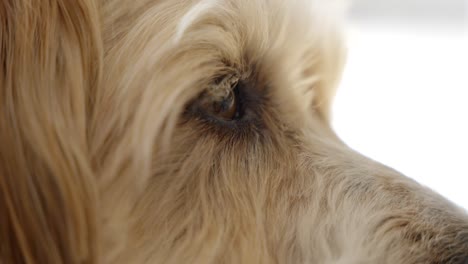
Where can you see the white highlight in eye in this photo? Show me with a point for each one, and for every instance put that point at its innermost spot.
(191, 16)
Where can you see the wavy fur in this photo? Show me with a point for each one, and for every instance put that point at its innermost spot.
(101, 162)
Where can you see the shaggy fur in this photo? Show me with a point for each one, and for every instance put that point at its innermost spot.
(102, 159)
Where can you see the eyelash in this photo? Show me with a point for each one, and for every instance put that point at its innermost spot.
(252, 104)
(252, 100)
(221, 100)
(238, 104)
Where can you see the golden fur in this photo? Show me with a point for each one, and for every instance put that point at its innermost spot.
(100, 161)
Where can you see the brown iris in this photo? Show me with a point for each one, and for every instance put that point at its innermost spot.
(223, 106)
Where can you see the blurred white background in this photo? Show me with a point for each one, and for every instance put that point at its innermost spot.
(404, 96)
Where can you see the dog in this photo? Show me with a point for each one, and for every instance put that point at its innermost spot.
(194, 131)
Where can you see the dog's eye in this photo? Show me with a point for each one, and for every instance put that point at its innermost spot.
(222, 105)
(220, 101)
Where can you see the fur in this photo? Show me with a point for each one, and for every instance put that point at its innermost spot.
(101, 162)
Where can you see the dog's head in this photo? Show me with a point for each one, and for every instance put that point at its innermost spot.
(165, 131)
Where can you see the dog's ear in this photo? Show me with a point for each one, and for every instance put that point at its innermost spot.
(316, 52)
(49, 63)
(328, 67)
(328, 53)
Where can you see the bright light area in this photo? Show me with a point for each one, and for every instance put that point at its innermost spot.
(404, 102)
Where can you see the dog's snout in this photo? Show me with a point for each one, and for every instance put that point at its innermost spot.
(463, 258)
(459, 259)
(455, 252)
(462, 244)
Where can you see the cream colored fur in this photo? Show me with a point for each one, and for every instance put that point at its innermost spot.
(101, 163)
